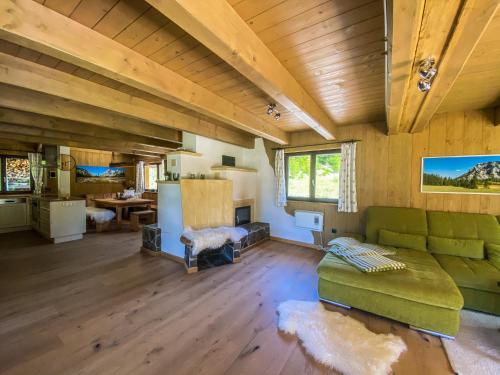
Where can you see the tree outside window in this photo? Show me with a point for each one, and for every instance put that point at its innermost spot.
(313, 176)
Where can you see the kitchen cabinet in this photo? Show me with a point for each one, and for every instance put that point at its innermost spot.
(59, 220)
(14, 213)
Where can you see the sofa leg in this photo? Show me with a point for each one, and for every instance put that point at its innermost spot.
(335, 303)
(433, 333)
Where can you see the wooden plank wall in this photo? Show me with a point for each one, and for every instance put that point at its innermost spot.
(388, 167)
(99, 159)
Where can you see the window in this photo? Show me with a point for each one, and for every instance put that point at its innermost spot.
(15, 172)
(313, 176)
(152, 173)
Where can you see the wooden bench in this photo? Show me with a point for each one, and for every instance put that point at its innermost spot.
(136, 217)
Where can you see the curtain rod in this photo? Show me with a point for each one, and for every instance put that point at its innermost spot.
(318, 144)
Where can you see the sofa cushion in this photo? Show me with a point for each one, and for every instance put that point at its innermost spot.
(493, 252)
(471, 273)
(402, 240)
(464, 225)
(456, 246)
(423, 281)
(396, 219)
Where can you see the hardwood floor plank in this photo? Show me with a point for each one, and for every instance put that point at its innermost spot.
(98, 306)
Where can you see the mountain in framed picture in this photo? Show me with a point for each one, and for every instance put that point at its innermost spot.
(475, 174)
(91, 174)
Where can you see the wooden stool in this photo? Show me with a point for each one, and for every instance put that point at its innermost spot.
(135, 218)
(101, 227)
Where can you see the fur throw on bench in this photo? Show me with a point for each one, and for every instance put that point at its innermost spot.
(99, 215)
(212, 238)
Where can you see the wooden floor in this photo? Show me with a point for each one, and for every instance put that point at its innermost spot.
(98, 306)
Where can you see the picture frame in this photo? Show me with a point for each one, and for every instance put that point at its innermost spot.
(461, 174)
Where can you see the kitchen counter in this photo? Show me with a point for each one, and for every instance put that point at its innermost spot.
(59, 219)
(58, 199)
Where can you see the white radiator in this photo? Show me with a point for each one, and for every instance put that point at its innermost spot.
(309, 219)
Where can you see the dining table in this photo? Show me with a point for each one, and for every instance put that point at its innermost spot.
(120, 204)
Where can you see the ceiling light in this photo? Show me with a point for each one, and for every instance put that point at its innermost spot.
(277, 116)
(270, 108)
(424, 85)
(427, 72)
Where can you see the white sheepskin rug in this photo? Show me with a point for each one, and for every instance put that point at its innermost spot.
(213, 238)
(99, 215)
(338, 341)
(476, 348)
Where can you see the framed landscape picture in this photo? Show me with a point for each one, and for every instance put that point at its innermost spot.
(91, 174)
(475, 174)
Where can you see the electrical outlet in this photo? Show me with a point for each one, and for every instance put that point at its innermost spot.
(334, 230)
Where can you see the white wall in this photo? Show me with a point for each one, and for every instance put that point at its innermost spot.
(244, 183)
(282, 224)
(259, 185)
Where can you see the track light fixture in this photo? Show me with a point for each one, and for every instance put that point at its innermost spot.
(271, 108)
(427, 72)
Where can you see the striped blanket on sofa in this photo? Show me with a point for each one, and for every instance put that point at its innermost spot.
(365, 257)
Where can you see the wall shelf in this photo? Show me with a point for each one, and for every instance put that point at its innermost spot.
(184, 152)
(229, 168)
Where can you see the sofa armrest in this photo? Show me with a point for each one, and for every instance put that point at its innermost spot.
(356, 236)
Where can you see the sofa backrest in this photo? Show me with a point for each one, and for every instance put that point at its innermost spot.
(463, 225)
(396, 219)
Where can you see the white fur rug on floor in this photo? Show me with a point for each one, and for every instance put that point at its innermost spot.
(476, 348)
(338, 341)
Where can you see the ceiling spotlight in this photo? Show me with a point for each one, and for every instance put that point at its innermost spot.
(277, 116)
(424, 85)
(426, 69)
(427, 72)
(270, 108)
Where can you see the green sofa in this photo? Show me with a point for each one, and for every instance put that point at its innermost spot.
(447, 268)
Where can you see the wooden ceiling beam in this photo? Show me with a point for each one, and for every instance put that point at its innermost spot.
(18, 72)
(30, 101)
(74, 144)
(473, 19)
(404, 18)
(73, 127)
(59, 135)
(39, 28)
(218, 26)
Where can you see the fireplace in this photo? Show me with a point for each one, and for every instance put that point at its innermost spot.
(242, 215)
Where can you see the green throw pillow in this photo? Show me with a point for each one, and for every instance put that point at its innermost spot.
(493, 251)
(405, 240)
(457, 247)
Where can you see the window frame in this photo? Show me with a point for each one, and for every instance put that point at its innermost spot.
(3, 176)
(312, 177)
(146, 165)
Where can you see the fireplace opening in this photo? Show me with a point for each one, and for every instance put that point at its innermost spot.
(242, 215)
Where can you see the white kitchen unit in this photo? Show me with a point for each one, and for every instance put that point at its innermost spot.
(14, 213)
(59, 220)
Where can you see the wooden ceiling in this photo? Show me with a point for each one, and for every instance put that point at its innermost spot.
(333, 48)
(478, 85)
(333, 53)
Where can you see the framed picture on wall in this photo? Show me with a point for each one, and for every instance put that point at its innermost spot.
(472, 174)
(91, 174)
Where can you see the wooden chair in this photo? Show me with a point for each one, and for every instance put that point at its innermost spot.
(153, 196)
(144, 217)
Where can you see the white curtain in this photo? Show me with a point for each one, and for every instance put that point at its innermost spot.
(279, 174)
(140, 183)
(347, 193)
(35, 160)
(162, 170)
